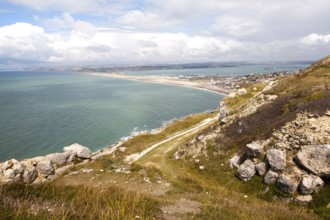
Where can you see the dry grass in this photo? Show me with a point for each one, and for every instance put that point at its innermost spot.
(51, 201)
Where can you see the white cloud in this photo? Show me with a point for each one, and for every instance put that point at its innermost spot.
(145, 20)
(22, 41)
(26, 42)
(316, 39)
(67, 21)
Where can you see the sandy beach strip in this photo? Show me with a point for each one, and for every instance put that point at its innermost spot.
(165, 80)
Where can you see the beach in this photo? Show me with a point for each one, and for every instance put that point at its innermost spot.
(165, 80)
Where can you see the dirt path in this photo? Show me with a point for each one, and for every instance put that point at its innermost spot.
(134, 157)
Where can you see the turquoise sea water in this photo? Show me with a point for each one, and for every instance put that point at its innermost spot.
(41, 112)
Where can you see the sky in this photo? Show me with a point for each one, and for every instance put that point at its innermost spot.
(94, 32)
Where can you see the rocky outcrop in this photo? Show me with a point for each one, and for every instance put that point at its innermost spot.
(310, 184)
(39, 169)
(315, 159)
(78, 150)
(276, 159)
(45, 167)
(246, 170)
(254, 149)
(261, 168)
(59, 159)
(286, 184)
(271, 177)
(30, 174)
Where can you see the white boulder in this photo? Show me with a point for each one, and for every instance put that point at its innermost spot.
(78, 150)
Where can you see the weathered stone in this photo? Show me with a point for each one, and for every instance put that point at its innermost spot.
(276, 159)
(79, 150)
(236, 161)
(17, 178)
(241, 91)
(9, 173)
(315, 159)
(261, 168)
(223, 112)
(17, 167)
(286, 184)
(271, 177)
(254, 149)
(304, 199)
(246, 170)
(30, 174)
(8, 164)
(270, 97)
(59, 159)
(45, 167)
(310, 184)
(231, 95)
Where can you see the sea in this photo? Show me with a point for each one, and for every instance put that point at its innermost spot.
(43, 111)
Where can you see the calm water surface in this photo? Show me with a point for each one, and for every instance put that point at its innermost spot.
(41, 112)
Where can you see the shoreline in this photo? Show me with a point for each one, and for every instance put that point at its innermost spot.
(165, 81)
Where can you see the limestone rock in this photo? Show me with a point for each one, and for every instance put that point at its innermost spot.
(276, 159)
(223, 112)
(59, 159)
(254, 149)
(271, 177)
(17, 178)
(9, 173)
(261, 168)
(286, 184)
(231, 95)
(45, 167)
(241, 91)
(8, 164)
(315, 159)
(235, 161)
(270, 97)
(246, 170)
(29, 174)
(304, 199)
(79, 150)
(17, 167)
(310, 184)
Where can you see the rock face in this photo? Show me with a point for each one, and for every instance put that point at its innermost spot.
(254, 149)
(276, 159)
(17, 166)
(29, 174)
(247, 170)
(261, 168)
(59, 159)
(315, 159)
(9, 173)
(45, 167)
(304, 199)
(234, 161)
(286, 184)
(310, 184)
(42, 168)
(223, 112)
(271, 177)
(79, 150)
